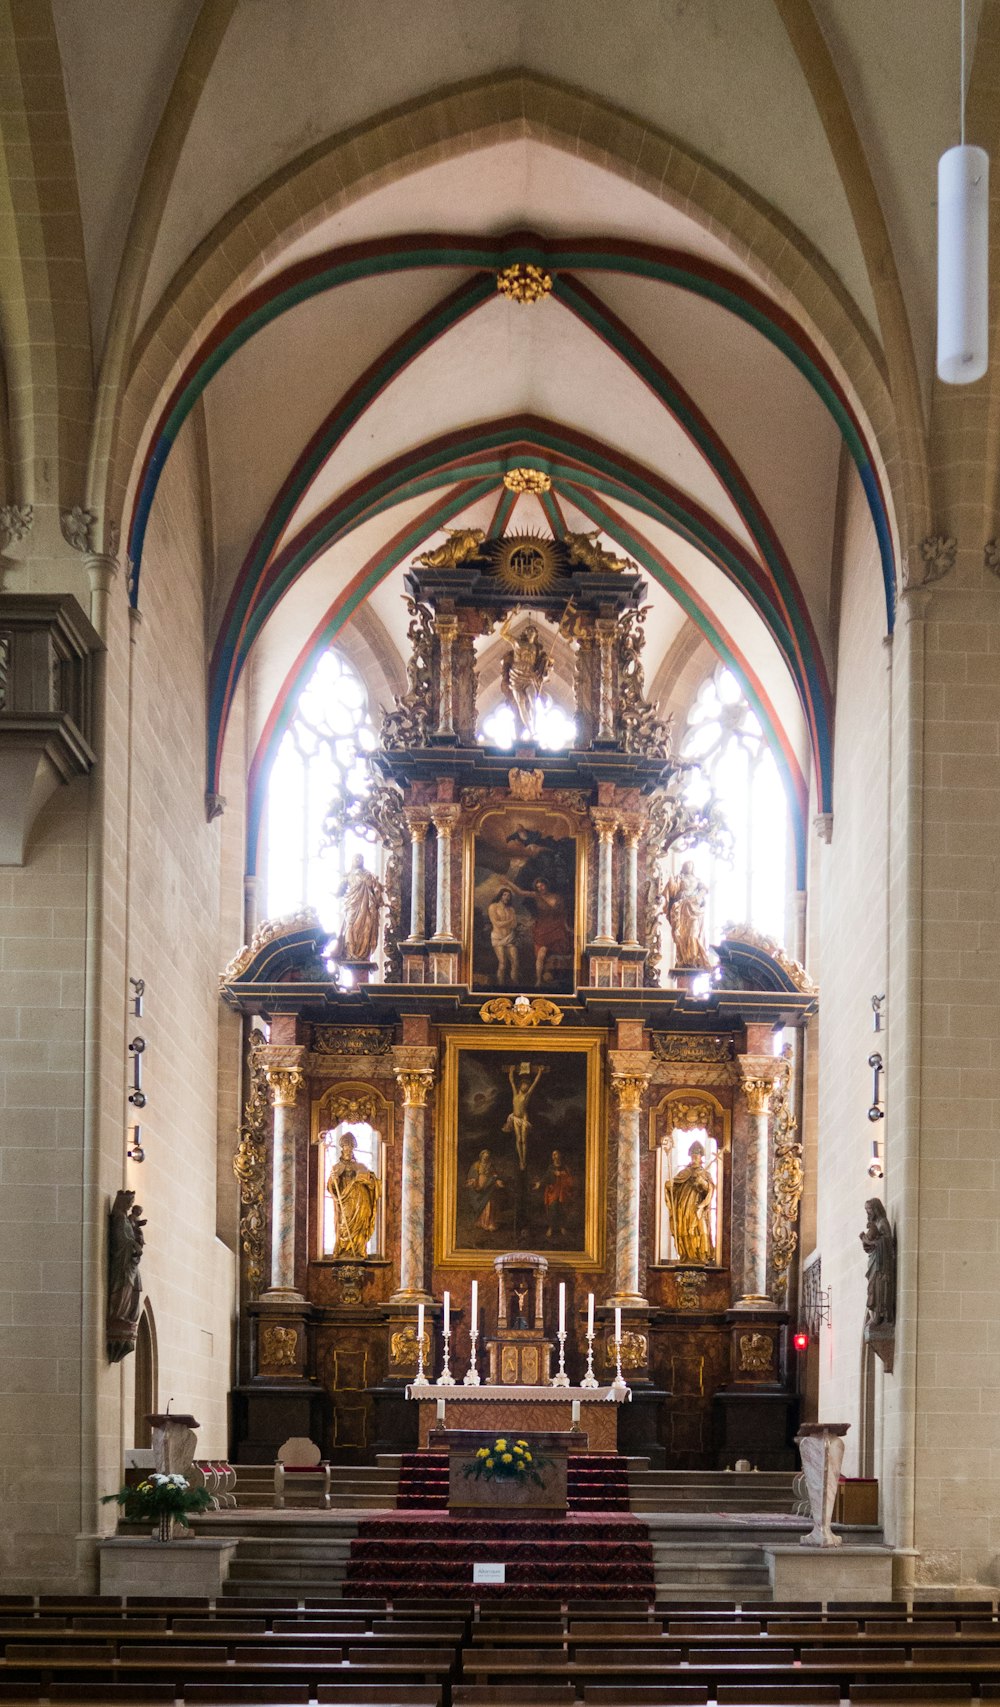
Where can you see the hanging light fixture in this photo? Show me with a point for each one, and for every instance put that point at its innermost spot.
(963, 254)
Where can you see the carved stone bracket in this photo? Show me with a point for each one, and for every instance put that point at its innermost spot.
(46, 697)
(934, 559)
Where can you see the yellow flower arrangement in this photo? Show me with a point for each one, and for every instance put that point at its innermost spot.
(504, 1461)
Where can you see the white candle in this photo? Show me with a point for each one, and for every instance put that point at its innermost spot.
(576, 1411)
(618, 1326)
(562, 1306)
(590, 1315)
(420, 1324)
(447, 1312)
(440, 1407)
(474, 1310)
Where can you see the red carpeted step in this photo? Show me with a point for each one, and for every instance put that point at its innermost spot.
(408, 1554)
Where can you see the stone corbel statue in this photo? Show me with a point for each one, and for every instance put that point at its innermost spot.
(125, 1242)
(879, 1241)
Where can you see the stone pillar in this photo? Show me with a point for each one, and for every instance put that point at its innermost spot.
(414, 1068)
(444, 819)
(607, 630)
(630, 1070)
(447, 629)
(285, 1082)
(630, 917)
(605, 822)
(757, 1075)
(418, 877)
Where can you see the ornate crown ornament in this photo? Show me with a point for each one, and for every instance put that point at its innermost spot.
(523, 282)
(533, 480)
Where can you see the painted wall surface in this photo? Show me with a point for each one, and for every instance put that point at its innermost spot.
(848, 959)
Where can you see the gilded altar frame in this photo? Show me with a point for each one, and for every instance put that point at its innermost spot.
(546, 816)
(577, 1057)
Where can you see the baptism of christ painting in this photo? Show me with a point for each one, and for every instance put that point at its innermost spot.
(524, 901)
(518, 1149)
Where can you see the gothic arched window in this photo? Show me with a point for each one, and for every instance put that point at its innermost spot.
(319, 770)
(724, 734)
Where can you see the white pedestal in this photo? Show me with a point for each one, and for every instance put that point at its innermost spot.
(829, 1573)
(821, 1447)
(172, 1568)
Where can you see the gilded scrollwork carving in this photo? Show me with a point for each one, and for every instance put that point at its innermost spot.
(306, 918)
(787, 1182)
(410, 723)
(250, 1165)
(641, 731)
(351, 1039)
(768, 945)
(521, 1011)
(525, 784)
(524, 283)
(404, 1346)
(279, 1347)
(635, 1350)
(684, 1046)
(756, 1353)
(690, 1283)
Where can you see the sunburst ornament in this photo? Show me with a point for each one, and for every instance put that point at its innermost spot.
(523, 282)
(533, 480)
(526, 563)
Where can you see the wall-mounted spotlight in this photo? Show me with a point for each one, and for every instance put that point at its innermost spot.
(875, 1167)
(877, 1109)
(136, 1049)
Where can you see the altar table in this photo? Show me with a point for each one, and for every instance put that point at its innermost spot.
(518, 1409)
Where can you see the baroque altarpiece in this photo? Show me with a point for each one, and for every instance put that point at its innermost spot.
(503, 1051)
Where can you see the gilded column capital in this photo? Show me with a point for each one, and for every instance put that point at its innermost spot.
(605, 821)
(446, 626)
(284, 1066)
(758, 1074)
(418, 823)
(630, 1074)
(415, 1067)
(445, 818)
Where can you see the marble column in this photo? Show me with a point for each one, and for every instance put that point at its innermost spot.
(444, 819)
(285, 1084)
(605, 823)
(418, 878)
(630, 919)
(757, 1074)
(414, 1067)
(447, 629)
(630, 1070)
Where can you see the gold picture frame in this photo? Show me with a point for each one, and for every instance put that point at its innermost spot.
(541, 1187)
(513, 848)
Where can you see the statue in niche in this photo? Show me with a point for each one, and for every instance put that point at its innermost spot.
(461, 545)
(686, 897)
(522, 1087)
(125, 1244)
(504, 929)
(879, 1241)
(355, 1191)
(364, 898)
(689, 1197)
(482, 1182)
(523, 674)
